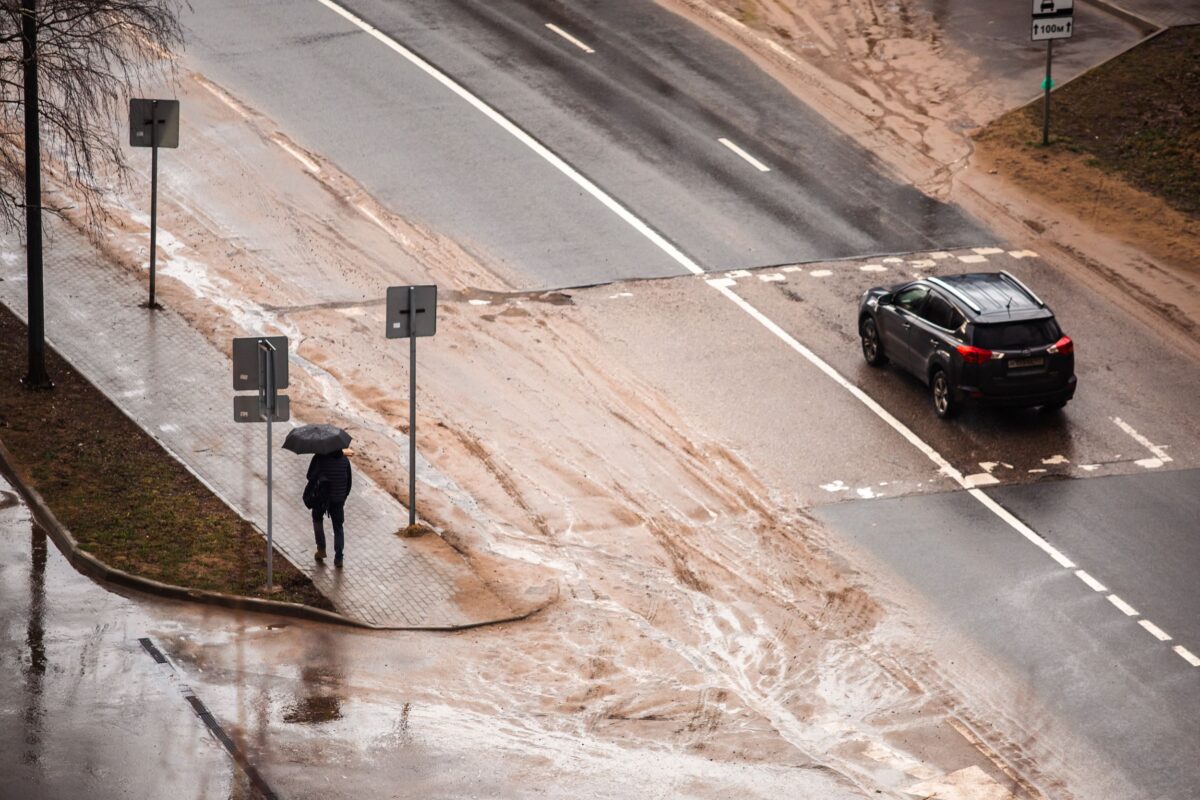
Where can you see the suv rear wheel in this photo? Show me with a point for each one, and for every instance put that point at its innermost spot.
(871, 346)
(943, 395)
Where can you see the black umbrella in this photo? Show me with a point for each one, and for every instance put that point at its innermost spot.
(318, 439)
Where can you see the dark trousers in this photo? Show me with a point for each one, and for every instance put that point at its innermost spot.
(337, 515)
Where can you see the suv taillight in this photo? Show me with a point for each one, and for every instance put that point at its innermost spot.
(1063, 347)
(974, 355)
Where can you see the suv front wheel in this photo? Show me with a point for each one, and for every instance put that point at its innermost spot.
(943, 395)
(872, 348)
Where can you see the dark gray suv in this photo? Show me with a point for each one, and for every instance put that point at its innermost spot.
(982, 337)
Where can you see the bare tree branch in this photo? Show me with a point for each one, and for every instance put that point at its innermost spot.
(90, 53)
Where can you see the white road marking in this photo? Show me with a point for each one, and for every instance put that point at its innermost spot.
(478, 302)
(872, 268)
(987, 251)
(620, 294)
(975, 259)
(1160, 453)
(793, 269)
(836, 486)
(1126, 609)
(754, 162)
(1022, 254)
(1096, 585)
(922, 263)
(1057, 459)
(1187, 655)
(1155, 631)
(308, 163)
(821, 273)
(981, 479)
(738, 273)
(939, 256)
(1089, 467)
(773, 277)
(892, 260)
(569, 38)
(866, 493)
(723, 286)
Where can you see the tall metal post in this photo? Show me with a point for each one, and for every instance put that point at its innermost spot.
(268, 355)
(153, 198)
(1048, 84)
(412, 406)
(36, 378)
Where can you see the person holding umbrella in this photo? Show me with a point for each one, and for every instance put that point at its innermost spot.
(329, 480)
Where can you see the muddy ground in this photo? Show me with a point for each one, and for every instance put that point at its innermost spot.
(701, 610)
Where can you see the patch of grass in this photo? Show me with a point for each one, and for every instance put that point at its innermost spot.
(125, 499)
(1137, 116)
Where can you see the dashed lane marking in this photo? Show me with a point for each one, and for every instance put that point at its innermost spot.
(1126, 609)
(1155, 631)
(569, 38)
(722, 285)
(972, 259)
(987, 251)
(772, 277)
(1096, 585)
(821, 273)
(1022, 254)
(1187, 655)
(751, 160)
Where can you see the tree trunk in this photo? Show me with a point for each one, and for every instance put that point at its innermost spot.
(36, 377)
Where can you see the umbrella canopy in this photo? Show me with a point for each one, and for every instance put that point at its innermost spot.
(318, 439)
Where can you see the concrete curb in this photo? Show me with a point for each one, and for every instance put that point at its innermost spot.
(89, 565)
(1143, 24)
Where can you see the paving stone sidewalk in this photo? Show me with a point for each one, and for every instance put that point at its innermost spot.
(177, 386)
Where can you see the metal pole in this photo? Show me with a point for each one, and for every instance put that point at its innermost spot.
(153, 196)
(36, 377)
(268, 351)
(412, 406)
(1047, 85)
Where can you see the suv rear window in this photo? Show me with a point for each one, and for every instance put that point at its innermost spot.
(1017, 335)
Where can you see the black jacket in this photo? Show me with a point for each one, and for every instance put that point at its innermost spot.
(335, 468)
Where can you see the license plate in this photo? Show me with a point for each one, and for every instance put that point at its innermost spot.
(1022, 363)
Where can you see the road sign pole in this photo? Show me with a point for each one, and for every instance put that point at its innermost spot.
(1047, 84)
(153, 198)
(412, 407)
(268, 351)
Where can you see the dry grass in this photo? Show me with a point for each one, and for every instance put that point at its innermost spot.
(124, 498)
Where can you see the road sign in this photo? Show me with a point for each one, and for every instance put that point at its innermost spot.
(247, 362)
(1047, 28)
(252, 408)
(422, 321)
(146, 115)
(1051, 8)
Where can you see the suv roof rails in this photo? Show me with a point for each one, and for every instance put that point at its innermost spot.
(1023, 287)
(941, 284)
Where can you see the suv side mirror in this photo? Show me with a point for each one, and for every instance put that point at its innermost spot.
(885, 299)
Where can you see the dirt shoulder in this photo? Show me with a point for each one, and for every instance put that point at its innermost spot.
(124, 498)
(890, 77)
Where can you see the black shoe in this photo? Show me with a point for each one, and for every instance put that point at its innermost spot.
(337, 561)
(320, 554)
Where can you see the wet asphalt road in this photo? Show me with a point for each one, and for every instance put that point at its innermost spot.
(641, 116)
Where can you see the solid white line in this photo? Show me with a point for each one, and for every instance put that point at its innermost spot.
(1096, 585)
(521, 136)
(1155, 631)
(1187, 655)
(1158, 451)
(754, 162)
(1127, 609)
(569, 38)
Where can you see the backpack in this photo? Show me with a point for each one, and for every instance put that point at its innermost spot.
(316, 493)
